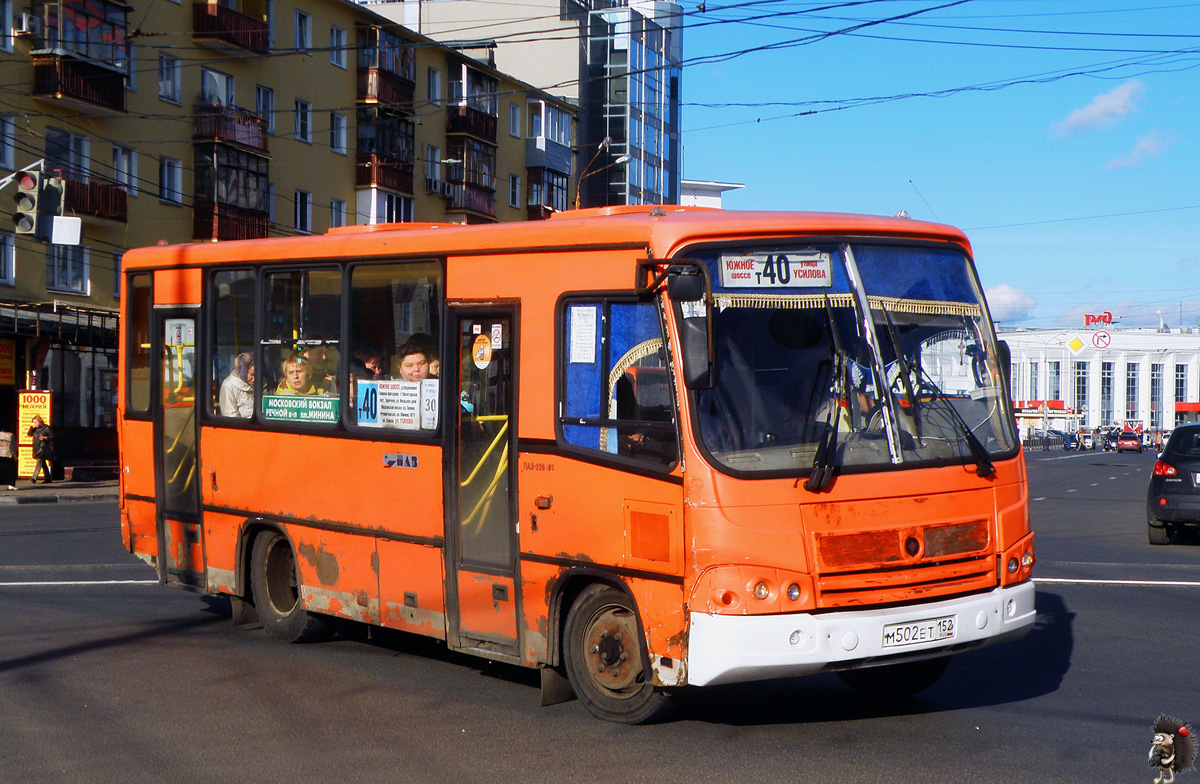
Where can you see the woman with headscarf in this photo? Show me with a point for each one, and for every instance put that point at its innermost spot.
(237, 390)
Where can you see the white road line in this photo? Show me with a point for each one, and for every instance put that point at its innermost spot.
(1040, 498)
(1083, 581)
(25, 583)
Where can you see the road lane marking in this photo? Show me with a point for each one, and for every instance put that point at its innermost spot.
(1086, 581)
(43, 583)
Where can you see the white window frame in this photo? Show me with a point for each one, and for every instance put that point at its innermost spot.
(337, 133)
(303, 31)
(303, 126)
(337, 46)
(169, 78)
(55, 254)
(264, 105)
(514, 120)
(170, 180)
(337, 213)
(302, 215)
(125, 168)
(514, 190)
(131, 70)
(8, 259)
(433, 78)
(217, 87)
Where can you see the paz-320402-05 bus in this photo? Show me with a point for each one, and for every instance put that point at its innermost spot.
(638, 448)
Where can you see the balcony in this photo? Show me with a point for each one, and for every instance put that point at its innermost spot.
(82, 83)
(218, 27)
(473, 198)
(384, 88)
(383, 172)
(226, 222)
(215, 123)
(465, 119)
(543, 153)
(93, 197)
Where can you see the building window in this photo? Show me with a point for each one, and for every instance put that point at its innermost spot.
(1081, 387)
(168, 77)
(1181, 383)
(303, 221)
(514, 191)
(216, 88)
(264, 105)
(116, 264)
(1054, 379)
(170, 180)
(67, 268)
(303, 32)
(514, 120)
(397, 208)
(8, 266)
(1107, 407)
(7, 159)
(1131, 391)
(1156, 396)
(434, 77)
(304, 121)
(125, 168)
(1033, 381)
(337, 213)
(337, 132)
(337, 46)
(433, 162)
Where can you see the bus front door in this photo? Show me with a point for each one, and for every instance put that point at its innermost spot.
(180, 553)
(480, 522)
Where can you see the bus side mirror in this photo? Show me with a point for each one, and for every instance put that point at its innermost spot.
(1004, 363)
(686, 288)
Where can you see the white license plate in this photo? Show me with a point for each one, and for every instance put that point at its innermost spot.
(896, 635)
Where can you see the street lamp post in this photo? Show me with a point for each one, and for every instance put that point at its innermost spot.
(584, 173)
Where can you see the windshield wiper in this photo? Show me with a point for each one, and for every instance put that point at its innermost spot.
(983, 463)
(905, 370)
(822, 466)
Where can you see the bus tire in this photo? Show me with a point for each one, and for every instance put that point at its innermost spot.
(893, 681)
(603, 657)
(275, 583)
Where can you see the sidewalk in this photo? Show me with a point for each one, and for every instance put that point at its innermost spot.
(59, 492)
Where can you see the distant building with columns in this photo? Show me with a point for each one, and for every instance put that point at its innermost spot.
(1092, 377)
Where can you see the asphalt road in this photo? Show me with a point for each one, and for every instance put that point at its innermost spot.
(106, 679)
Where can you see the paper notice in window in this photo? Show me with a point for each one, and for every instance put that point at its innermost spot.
(583, 334)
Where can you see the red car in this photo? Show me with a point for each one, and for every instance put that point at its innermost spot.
(1129, 441)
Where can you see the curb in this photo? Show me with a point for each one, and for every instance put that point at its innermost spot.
(87, 498)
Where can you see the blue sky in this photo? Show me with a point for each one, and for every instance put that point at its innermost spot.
(1076, 175)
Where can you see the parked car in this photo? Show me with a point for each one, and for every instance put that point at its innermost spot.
(1129, 442)
(1068, 440)
(1087, 441)
(1173, 498)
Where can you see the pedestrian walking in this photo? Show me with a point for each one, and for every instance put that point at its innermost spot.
(43, 448)
(8, 460)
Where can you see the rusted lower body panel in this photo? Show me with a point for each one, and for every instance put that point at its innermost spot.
(486, 607)
(222, 533)
(338, 573)
(411, 588)
(138, 530)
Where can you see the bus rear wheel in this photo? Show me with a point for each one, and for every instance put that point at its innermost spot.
(604, 658)
(893, 681)
(275, 583)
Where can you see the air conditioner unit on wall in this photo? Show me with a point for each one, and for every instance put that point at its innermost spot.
(433, 185)
(447, 189)
(27, 24)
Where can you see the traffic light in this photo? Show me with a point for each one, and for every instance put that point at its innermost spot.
(29, 190)
(50, 204)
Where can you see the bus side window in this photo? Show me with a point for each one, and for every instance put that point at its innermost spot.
(299, 353)
(232, 362)
(617, 396)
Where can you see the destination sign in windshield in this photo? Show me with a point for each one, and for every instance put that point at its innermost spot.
(788, 270)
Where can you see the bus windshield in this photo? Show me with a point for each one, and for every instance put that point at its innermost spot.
(848, 356)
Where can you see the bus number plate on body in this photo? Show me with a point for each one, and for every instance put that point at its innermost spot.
(801, 269)
(931, 630)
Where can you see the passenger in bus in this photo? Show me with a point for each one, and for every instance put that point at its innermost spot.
(237, 390)
(423, 341)
(297, 378)
(323, 361)
(412, 361)
(368, 363)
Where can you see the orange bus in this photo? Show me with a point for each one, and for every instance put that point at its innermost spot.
(637, 448)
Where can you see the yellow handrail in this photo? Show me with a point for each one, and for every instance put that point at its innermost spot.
(492, 446)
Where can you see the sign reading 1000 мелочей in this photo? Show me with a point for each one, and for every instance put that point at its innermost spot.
(788, 270)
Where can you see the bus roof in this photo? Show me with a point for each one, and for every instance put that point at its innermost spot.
(661, 229)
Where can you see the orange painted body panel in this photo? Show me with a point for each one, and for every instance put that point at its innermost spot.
(486, 606)
(178, 287)
(331, 480)
(221, 536)
(338, 572)
(412, 580)
(138, 530)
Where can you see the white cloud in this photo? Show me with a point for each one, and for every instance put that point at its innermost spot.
(1104, 110)
(1009, 304)
(1149, 146)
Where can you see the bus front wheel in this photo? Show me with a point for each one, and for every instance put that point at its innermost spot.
(892, 681)
(275, 584)
(604, 659)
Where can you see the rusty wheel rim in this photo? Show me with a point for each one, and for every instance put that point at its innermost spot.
(611, 652)
(281, 577)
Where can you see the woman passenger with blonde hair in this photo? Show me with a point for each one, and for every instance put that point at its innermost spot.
(297, 378)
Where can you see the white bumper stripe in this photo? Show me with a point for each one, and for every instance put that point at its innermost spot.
(732, 648)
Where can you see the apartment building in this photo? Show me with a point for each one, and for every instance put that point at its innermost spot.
(618, 60)
(177, 121)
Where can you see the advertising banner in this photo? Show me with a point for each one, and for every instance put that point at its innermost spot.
(8, 363)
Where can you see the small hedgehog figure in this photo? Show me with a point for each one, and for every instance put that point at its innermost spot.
(1173, 749)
